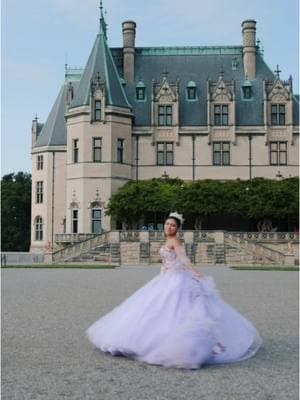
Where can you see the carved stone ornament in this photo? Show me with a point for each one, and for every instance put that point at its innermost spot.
(278, 92)
(222, 92)
(164, 92)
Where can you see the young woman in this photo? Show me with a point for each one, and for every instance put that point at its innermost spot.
(177, 319)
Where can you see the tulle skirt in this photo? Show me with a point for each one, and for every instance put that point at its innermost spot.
(176, 320)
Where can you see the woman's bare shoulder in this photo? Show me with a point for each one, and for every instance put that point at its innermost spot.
(174, 242)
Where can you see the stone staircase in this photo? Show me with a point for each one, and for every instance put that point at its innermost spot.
(251, 251)
(99, 248)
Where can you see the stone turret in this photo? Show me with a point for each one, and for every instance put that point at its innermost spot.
(128, 28)
(249, 47)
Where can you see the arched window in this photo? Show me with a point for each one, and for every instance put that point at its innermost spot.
(38, 228)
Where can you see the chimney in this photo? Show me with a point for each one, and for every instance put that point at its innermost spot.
(128, 28)
(34, 131)
(249, 47)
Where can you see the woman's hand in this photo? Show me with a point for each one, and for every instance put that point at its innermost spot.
(198, 274)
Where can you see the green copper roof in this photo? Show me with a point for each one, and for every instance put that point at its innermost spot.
(189, 50)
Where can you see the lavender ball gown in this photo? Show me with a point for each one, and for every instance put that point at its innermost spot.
(176, 320)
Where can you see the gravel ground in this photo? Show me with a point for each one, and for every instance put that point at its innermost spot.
(45, 354)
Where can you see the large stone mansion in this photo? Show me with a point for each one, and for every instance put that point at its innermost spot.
(143, 112)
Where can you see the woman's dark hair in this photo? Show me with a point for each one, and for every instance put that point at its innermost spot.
(178, 223)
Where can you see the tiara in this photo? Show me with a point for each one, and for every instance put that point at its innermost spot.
(177, 216)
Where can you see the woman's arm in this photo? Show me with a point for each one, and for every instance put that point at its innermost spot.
(181, 254)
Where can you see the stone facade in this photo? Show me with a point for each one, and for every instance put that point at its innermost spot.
(139, 113)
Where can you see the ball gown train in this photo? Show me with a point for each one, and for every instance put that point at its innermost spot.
(176, 320)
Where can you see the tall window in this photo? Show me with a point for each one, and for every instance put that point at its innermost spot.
(191, 91)
(97, 149)
(278, 153)
(221, 114)
(165, 153)
(277, 114)
(75, 150)
(96, 220)
(221, 153)
(97, 111)
(40, 162)
(165, 115)
(74, 221)
(39, 228)
(120, 150)
(39, 192)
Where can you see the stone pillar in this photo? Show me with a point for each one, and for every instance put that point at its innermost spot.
(128, 28)
(249, 48)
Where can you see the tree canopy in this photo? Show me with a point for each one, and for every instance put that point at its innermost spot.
(258, 199)
(15, 211)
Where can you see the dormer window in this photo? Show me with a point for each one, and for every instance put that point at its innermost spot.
(191, 91)
(221, 114)
(165, 115)
(97, 110)
(247, 90)
(277, 114)
(140, 91)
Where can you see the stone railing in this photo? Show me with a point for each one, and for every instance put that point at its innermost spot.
(251, 243)
(264, 236)
(72, 237)
(83, 246)
(134, 247)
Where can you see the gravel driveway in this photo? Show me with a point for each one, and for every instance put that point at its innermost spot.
(45, 354)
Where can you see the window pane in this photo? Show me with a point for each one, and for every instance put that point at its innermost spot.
(161, 120)
(160, 158)
(96, 226)
(226, 158)
(96, 214)
(160, 146)
(161, 110)
(225, 119)
(97, 105)
(273, 158)
(281, 119)
(217, 110)
(282, 145)
(274, 119)
(282, 108)
(217, 146)
(97, 142)
(274, 145)
(282, 158)
(225, 146)
(169, 146)
(169, 120)
(169, 158)
(217, 119)
(225, 109)
(191, 93)
(169, 110)
(274, 109)
(217, 158)
(98, 115)
(97, 154)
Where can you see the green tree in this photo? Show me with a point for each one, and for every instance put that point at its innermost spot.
(15, 211)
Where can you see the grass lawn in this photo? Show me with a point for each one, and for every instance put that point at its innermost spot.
(83, 266)
(264, 267)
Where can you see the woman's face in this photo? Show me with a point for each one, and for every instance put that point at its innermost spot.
(170, 227)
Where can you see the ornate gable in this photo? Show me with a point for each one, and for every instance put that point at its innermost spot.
(221, 91)
(165, 92)
(278, 92)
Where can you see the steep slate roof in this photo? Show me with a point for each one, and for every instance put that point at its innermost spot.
(199, 65)
(54, 131)
(101, 61)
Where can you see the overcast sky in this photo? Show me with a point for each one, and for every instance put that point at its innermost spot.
(40, 36)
